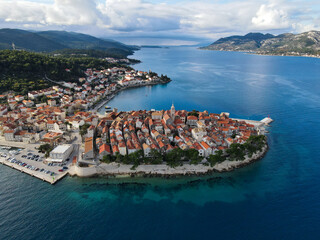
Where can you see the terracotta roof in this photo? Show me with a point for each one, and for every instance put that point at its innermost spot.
(104, 147)
(88, 145)
(192, 118)
(115, 149)
(204, 145)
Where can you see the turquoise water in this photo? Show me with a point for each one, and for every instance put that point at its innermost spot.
(275, 198)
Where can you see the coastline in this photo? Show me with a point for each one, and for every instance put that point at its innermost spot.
(120, 170)
(108, 98)
(263, 54)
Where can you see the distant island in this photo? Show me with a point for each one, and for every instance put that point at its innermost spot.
(150, 46)
(287, 44)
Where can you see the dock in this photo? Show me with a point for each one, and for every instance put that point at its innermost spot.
(37, 174)
(263, 122)
(267, 120)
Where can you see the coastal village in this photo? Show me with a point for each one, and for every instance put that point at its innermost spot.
(65, 117)
(126, 132)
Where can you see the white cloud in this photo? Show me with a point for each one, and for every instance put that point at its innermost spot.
(197, 18)
(270, 17)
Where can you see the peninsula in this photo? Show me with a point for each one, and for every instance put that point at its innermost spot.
(55, 131)
(169, 143)
(304, 44)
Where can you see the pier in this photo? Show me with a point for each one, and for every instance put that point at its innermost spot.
(256, 123)
(37, 174)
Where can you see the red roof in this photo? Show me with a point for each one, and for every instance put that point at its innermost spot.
(192, 118)
(204, 145)
(115, 149)
(104, 147)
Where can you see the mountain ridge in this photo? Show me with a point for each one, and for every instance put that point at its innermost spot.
(307, 43)
(49, 41)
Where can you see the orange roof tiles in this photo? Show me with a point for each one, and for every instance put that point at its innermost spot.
(104, 147)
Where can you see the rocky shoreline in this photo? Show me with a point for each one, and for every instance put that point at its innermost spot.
(115, 170)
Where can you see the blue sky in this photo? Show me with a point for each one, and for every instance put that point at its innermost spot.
(175, 19)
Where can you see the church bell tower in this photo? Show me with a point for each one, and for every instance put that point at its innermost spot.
(172, 112)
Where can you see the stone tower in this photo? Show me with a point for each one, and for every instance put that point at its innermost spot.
(172, 112)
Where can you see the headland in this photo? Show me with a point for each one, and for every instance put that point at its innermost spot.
(60, 132)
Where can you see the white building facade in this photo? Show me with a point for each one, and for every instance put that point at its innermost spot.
(60, 153)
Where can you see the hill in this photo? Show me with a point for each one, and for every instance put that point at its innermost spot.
(23, 71)
(48, 41)
(307, 43)
(83, 41)
(27, 40)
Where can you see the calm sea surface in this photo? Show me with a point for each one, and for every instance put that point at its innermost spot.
(275, 198)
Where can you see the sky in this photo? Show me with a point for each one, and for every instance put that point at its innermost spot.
(186, 21)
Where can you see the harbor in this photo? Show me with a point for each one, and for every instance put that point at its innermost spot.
(28, 161)
(37, 174)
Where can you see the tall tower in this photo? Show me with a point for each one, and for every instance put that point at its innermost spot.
(172, 112)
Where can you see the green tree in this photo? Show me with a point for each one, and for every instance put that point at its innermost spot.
(236, 152)
(193, 156)
(175, 157)
(218, 157)
(107, 159)
(155, 157)
(84, 129)
(45, 148)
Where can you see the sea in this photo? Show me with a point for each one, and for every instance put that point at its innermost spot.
(277, 197)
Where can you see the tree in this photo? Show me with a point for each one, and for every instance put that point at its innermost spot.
(136, 158)
(43, 99)
(155, 157)
(119, 158)
(107, 159)
(193, 113)
(45, 148)
(236, 152)
(175, 157)
(84, 129)
(213, 159)
(193, 156)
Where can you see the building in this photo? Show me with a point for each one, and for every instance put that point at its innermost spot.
(192, 120)
(198, 133)
(9, 135)
(88, 149)
(60, 153)
(146, 150)
(104, 150)
(122, 148)
(207, 149)
(156, 115)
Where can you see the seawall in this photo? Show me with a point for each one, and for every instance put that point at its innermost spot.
(162, 170)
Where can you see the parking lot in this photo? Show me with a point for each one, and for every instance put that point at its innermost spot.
(32, 162)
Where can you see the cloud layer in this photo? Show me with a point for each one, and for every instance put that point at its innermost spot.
(204, 18)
